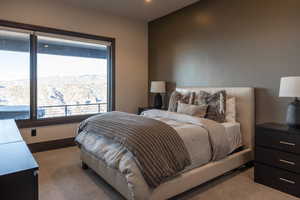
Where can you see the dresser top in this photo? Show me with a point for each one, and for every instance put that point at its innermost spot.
(9, 132)
(278, 127)
(14, 153)
(16, 157)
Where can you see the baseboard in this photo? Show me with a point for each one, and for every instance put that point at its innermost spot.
(50, 145)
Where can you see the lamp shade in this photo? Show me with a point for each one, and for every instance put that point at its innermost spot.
(290, 86)
(158, 87)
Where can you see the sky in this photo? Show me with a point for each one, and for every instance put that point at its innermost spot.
(15, 65)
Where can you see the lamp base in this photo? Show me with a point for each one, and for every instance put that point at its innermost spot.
(293, 114)
(158, 101)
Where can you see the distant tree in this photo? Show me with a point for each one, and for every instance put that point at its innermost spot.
(58, 96)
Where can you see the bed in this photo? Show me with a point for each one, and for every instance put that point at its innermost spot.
(194, 176)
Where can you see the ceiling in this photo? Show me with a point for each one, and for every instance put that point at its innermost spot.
(146, 10)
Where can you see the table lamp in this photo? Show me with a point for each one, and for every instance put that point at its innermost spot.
(290, 87)
(158, 87)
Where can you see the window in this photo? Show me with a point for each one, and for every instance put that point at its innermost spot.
(72, 77)
(48, 76)
(14, 75)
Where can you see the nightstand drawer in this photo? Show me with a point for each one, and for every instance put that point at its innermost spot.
(278, 179)
(279, 159)
(278, 140)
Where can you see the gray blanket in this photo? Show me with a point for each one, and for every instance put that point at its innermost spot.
(158, 150)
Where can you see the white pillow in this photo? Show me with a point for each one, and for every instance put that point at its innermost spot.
(231, 110)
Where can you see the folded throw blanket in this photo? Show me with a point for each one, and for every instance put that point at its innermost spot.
(158, 150)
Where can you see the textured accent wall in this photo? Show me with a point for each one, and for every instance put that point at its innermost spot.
(230, 43)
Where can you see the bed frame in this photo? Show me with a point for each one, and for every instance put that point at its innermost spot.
(190, 179)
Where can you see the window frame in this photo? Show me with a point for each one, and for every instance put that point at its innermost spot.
(33, 121)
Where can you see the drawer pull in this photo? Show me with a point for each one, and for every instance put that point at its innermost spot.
(288, 181)
(287, 143)
(287, 162)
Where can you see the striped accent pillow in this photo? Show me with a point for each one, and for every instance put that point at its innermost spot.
(193, 110)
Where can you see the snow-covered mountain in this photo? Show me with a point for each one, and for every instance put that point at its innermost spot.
(56, 90)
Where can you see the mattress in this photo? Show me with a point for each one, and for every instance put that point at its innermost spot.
(202, 154)
(196, 139)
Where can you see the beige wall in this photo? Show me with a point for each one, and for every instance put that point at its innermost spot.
(48, 133)
(131, 48)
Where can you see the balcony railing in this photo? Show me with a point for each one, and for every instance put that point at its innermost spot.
(22, 112)
(69, 110)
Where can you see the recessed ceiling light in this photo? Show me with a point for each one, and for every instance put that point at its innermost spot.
(148, 1)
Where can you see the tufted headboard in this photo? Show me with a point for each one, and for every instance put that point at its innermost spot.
(245, 108)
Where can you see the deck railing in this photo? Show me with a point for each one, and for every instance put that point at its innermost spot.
(68, 110)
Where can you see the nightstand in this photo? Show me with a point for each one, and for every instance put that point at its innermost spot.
(142, 109)
(277, 157)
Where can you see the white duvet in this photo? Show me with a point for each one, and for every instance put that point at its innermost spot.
(196, 133)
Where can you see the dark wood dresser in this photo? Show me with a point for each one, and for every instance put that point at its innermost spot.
(277, 157)
(18, 168)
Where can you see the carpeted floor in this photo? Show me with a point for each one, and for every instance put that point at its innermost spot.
(61, 178)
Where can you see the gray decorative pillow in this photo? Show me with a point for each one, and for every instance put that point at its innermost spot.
(216, 104)
(194, 110)
(185, 98)
(178, 97)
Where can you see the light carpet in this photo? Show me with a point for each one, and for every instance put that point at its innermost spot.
(61, 178)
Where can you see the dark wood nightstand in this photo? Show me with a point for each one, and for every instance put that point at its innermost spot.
(277, 157)
(142, 109)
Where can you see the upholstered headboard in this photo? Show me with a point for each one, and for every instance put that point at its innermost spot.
(245, 108)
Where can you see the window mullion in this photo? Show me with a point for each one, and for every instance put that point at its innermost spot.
(33, 77)
(110, 77)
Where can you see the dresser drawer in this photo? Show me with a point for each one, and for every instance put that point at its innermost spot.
(279, 159)
(278, 140)
(279, 179)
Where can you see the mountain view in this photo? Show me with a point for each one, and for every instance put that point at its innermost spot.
(67, 85)
(77, 91)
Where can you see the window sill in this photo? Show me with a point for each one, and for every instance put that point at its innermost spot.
(51, 121)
